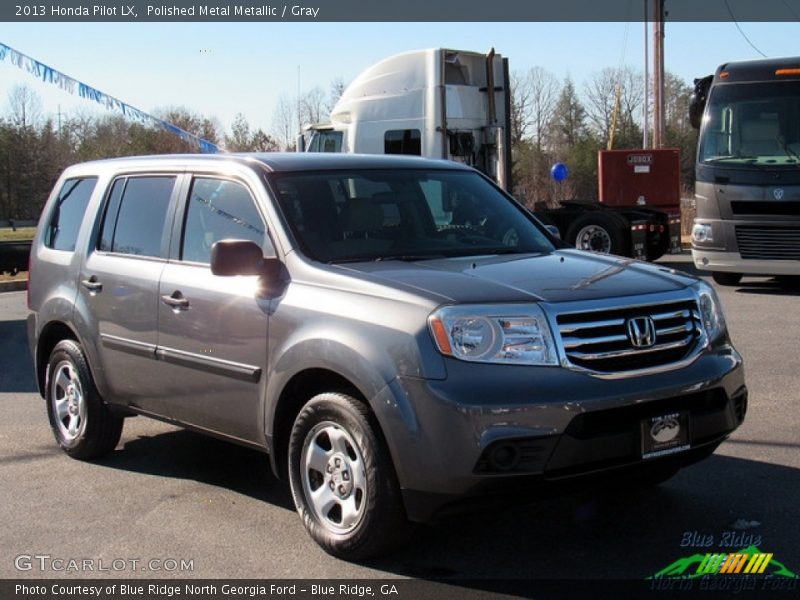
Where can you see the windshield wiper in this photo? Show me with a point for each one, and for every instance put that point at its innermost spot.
(408, 257)
(714, 159)
(389, 257)
(459, 253)
(747, 159)
(489, 251)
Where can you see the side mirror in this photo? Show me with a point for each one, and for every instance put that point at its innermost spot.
(237, 257)
(553, 230)
(697, 101)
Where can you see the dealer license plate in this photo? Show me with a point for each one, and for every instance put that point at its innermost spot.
(665, 434)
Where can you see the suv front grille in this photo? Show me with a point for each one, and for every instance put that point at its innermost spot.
(601, 341)
(768, 243)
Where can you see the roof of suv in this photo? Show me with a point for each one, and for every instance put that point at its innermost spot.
(296, 161)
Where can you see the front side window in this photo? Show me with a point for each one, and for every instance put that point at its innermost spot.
(136, 216)
(65, 220)
(219, 210)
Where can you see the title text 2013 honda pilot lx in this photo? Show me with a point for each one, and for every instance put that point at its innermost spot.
(397, 333)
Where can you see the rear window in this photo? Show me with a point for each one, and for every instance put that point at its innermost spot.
(65, 220)
(136, 215)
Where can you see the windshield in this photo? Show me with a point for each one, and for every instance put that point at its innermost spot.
(752, 125)
(346, 216)
(325, 141)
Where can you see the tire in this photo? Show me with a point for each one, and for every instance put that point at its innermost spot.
(724, 278)
(361, 516)
(82, 424)
(598, 232)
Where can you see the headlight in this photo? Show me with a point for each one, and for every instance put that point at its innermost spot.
(710, 310)
(702, 233)
(509, 334)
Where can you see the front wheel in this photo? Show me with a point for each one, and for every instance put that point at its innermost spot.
(342, 480)
(83, 425)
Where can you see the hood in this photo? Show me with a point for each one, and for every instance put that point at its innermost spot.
(561, 276)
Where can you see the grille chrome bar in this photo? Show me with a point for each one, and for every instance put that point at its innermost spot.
(578, 342)
(598, 340)
(593, 325)
(632, 351)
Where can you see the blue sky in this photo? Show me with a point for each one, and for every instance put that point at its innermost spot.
(220, 69)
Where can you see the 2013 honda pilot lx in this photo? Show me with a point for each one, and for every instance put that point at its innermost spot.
(398, 334)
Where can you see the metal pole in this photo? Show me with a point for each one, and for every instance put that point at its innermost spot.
(658, 74)
(646, 105)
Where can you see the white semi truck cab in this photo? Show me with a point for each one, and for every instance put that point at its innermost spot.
(437, 103)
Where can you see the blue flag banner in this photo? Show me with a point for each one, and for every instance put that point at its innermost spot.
(68, 84)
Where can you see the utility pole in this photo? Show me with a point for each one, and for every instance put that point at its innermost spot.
(646, 103)
(658, 74)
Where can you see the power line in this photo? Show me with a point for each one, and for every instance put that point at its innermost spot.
(744, 35)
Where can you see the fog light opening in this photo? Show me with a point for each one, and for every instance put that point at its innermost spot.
(504, 457)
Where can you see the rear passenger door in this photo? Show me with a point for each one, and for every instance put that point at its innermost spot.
(212, 342)
(119, 286)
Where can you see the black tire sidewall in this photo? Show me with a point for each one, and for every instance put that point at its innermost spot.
(610, 223)
(381, 509)
(726, 278)
(101, 428)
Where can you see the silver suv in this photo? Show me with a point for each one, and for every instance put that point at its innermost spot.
(397, 333)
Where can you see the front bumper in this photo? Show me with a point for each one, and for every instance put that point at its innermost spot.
(562, 423)
(732, 262)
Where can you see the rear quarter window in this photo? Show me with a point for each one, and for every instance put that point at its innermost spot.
(65, 220)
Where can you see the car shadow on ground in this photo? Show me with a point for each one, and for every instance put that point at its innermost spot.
(183, 454)
(16, 372)
(614, 533)
(610, 533)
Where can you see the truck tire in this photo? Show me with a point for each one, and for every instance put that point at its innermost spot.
(342, 479)
(598, 232)
(82, 424)
(724, 278)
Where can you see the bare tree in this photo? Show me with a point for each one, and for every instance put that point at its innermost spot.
(283, 123)
(337, 88)
(312, 106)
(25, 107)
(600, 93)
(545, 90)
(533, 100)
(520, 108)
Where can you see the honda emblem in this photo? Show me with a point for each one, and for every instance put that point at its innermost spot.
(641, 332)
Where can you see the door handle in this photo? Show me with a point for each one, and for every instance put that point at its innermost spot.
(92, 284)
(176, 301)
